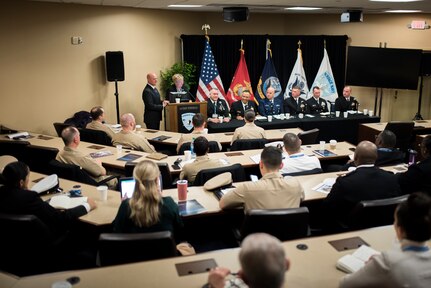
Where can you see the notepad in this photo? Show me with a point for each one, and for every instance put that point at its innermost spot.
(351, 263)
(65, 202)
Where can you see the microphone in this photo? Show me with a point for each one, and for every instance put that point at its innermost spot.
(191, 95)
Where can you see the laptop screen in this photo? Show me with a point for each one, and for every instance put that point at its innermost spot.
(127, 186)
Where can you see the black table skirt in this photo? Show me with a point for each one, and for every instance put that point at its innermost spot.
(338, 128)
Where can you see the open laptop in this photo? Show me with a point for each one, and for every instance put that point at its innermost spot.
(127, 186)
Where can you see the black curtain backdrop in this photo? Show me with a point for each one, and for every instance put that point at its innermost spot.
(284, 53)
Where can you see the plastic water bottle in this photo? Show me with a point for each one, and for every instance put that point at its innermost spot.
(412, 156)
(192, 149)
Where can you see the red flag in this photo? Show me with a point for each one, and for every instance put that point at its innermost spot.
(240, 81)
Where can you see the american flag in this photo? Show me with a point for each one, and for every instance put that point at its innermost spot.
(209, 76)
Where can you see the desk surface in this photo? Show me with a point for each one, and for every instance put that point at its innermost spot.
(314, 267)
(381, 126)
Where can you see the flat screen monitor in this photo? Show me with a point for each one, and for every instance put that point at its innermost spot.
(183, 96)
(383, 67)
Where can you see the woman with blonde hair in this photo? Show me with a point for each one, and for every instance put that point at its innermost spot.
(178, 87)
(147, 210)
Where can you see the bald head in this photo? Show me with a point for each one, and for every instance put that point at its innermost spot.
(70, 136)
(365, 153)
(127, 122)
(270, 92)
(152, 78)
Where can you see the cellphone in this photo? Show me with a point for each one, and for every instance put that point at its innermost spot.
(176, 167)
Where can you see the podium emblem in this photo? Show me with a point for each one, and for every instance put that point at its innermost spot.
(186, 118)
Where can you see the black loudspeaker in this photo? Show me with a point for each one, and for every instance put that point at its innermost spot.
(426, 63)
(114, 66)
(235, 14)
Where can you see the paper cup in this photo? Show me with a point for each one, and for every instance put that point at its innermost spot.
(322, 145)
(269, 118)
(333, 144)
(337, 113)
(220, 119)
(300, 115)
(365, 111)
(371, 113)
(345, 114)
(119, 149)
(177, 100)
(103, 192)
(287, 115)
(187, 155)
(182, 190)
(205, 130)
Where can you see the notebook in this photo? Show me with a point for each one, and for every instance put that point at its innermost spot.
(127, 186)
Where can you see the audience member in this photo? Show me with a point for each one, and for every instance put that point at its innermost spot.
(249, 130)
(272, 191)
(367, 182)
(16, 198)
(347, 102)
(128, 138)
(238, 108)
(316, 104)
(418, 176)
(217, 107)
(295, 160)
(271, 105)
(295, 104)
(148, 210)
(98, 115)
(409, 265)
(71, 155)
(263, 264)
(198, 122)
(201, 162)
(152, 102)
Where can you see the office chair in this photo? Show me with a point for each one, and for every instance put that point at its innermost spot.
(95, 136)
(120, 248)
(59, 127)
(248, 144)
(285, 224)
(75, 173)
(13, 148)
(404, 133)
(307, 172)
(38, 158)
(373, 213)
(309, 137)
(238, 174)
(213, 147)
(167, 180)
(24, 242)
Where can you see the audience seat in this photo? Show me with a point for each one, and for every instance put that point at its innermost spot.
(285, 224)
(309, 137)
(307, 172)
(167, 181)
(404, 133)
(213, 147)
(95, 136)
(13, 148)
(59, 127)
(38, 158)
(238, 174)
(121, 248)
(248, 144)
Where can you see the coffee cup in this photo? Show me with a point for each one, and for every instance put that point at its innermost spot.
(333, 144)
(287, 115)
(322, 145)
(337, 113)
(182, 190)
(269, 118)
(103, 192)
(345, 114)
(119, 148)
(177, 100)
(371, 113)
(205, 130)
(365, 111)
(187, 155)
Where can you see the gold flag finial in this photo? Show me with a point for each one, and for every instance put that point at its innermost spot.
(299, 44)
(268, 48)
(206, 27)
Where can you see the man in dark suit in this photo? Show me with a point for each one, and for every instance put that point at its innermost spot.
(238, 108)
(295, 104)
(217, 107)
(316, 104)
(271, 105)
(387, 154)
(418, 176)
(367, 182)
(153, 104)
(347, 102)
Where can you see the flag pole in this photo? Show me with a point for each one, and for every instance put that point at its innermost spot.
(324, 43)
(242, 44)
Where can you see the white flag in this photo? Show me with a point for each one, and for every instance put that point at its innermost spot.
(297, 78)
(325, 80)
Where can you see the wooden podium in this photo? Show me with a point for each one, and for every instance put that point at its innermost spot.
(178, 116)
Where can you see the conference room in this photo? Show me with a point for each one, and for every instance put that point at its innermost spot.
(50, 76)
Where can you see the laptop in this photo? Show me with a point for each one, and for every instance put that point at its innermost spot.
(127, 186)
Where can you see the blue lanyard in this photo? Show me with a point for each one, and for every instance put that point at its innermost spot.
(416, 248)
(296, 156)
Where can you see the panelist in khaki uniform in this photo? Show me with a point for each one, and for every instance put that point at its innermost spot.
(128, 138)
(202, 161)
(249, 130)
(272, 191)
(71, 155)
(198, 122)
(98, 115)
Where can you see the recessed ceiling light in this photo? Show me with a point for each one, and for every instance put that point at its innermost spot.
(185, 6)
(394, 0)
(403, 11)
(302, 8)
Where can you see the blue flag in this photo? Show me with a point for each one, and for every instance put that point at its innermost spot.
(269, 76)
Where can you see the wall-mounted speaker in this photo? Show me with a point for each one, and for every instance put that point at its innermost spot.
(235, 14)
(114, 66)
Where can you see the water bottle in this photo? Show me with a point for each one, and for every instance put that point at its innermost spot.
(192, 149)
(412, 156)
